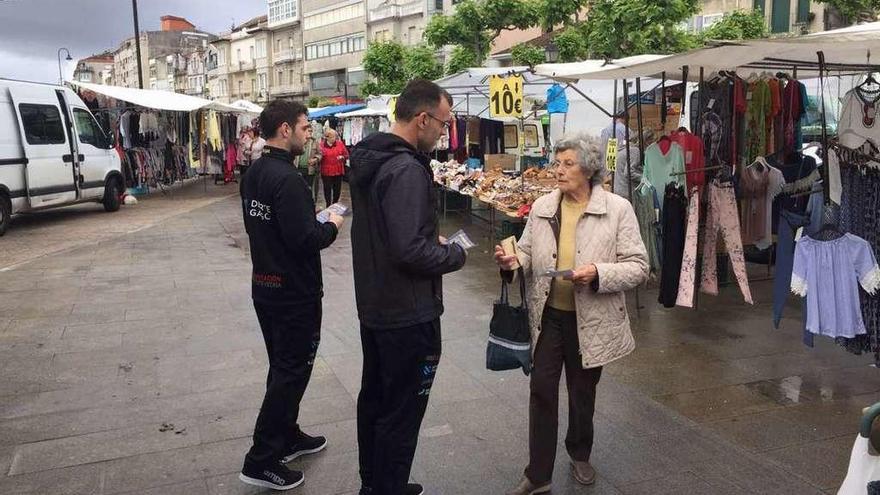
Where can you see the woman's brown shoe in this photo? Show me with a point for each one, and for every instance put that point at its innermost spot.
(583, 472)
(526, 487)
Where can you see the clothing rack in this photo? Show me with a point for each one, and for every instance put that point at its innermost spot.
(715, 167)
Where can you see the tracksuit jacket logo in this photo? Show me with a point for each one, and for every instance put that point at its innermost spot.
(428, 371)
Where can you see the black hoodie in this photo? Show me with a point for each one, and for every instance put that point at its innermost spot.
(285, 238)
(397, 258)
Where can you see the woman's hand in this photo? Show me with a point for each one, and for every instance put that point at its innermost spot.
(503, 261)
(585, 275)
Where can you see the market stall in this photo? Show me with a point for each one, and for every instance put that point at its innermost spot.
(745, 125)
(164, 137)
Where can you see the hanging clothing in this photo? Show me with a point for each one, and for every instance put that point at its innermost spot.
(622, 179)
(753, 184)
(791, 114)
(660, 166)
(858, 119)
(686, 280)
(674, 214)
(722, 216)
(647, 208)
(774, 88)
(775, 181)
(828, 274)
(694, 159)
(758, 109)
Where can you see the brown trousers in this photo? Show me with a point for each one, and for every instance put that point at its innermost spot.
(558, 346)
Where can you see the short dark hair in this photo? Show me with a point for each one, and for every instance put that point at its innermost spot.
(278, 112)
(419, 96)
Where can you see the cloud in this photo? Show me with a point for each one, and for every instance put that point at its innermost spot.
(34, 30)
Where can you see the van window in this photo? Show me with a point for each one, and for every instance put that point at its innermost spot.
(42, 124)
(511, 137)
(531, 135)
(89, 131)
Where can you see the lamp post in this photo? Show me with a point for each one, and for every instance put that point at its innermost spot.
(60, 72)
(551, 53)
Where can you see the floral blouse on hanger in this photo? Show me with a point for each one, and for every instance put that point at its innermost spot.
(828, 274)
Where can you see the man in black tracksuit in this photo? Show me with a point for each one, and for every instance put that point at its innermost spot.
(398, 261)
(286, 241)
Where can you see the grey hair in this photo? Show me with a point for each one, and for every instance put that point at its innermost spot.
(589, 152)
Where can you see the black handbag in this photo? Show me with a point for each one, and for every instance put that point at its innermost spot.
(510, 341)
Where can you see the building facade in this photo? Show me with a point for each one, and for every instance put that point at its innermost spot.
(177, 37)
(97, 69)
(334, 41)
(286, 76)
(781, 16)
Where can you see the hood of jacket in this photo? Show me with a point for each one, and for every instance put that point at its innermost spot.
(370, 154)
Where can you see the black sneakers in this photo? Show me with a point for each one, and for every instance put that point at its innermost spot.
(276, 477)
(304, 445)
(411, 489)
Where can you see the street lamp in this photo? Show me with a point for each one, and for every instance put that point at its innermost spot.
(551, 53)
(69, 58)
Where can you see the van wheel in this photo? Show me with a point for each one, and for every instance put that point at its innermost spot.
(5, 213)
(112, 192)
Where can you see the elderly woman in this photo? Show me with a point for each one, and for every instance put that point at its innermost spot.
(578, 321)
(333, 156)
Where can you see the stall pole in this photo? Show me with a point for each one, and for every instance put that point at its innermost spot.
(137, 43)
(663, 100)
(628, 162)
(826, 190)
(700, 95)
(685, 101)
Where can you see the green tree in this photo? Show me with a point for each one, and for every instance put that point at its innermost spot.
(620, 28)
(476, 23)
(855, 10)
(572, 44)
(737, 25)
(391, 65)
(526, 54)
(553, 13)
(460, 59)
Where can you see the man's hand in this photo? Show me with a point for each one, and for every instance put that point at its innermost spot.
(443, 240)
(585, 274)
(336, 219)
(503, 261)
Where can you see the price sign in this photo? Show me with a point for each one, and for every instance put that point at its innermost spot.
(611, 155)
(392, 106)
(506, 96)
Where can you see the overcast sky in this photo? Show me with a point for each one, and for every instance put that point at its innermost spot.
(33, 30)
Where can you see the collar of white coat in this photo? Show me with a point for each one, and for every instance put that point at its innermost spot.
(598, 203)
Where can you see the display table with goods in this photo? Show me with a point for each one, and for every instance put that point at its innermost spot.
(508, 192)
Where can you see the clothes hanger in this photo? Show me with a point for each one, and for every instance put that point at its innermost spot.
(760, 162)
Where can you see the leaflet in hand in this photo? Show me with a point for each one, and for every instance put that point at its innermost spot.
(567, 274)
(338, 208)
(461, 238)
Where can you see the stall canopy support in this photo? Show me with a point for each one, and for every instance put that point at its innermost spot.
(628, 164)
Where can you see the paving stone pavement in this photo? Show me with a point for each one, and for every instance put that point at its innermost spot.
(133, 363)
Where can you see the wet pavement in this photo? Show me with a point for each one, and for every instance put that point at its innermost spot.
(133, 363)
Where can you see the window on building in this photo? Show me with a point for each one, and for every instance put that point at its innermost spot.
(262, 79)
(240, 90)
(280, 78)
(253, 86)
(334, 15)
(278, 45)
(803, 11)
(292, 75)
(42, 124)
(261, 48)
(324, 82)
(335, 47)
(238, 54)
(253, 55)
(290, 41)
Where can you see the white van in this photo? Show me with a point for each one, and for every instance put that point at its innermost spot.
(52, 152)
(533, 138)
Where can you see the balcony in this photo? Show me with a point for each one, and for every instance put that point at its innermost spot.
(396, 11)
(242, 65)
(287, 89)
(288, 55)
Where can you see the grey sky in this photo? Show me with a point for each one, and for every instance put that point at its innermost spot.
(33, 30)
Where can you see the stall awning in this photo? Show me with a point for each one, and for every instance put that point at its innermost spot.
(159, 100)
(363, 112)
(844, 49)
(332, 111)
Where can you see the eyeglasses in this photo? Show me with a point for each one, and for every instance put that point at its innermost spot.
(446, 124)
(565, 164)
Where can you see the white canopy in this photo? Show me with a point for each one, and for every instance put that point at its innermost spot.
(847, 46)
(159, 100)
(363, 112)
(247, 106)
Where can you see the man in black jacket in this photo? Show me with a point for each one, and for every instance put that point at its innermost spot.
(286, 242)
(398, 261)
